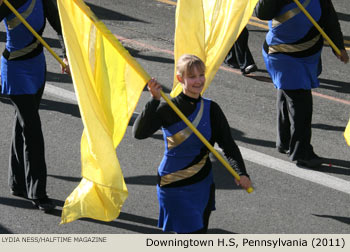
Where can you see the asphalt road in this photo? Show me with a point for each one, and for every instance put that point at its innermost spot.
(287, 199)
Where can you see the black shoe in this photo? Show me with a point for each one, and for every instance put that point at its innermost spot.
(44, 204)
(18, 193)
(250, 69)
(313, 162)
(282, 150)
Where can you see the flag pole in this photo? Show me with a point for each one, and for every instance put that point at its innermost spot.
(34, 32)
(335, 48)
(171, 104)
(202, 138)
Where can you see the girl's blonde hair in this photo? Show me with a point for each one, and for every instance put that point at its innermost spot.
(187, 62)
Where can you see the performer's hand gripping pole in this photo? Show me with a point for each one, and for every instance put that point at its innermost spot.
(325, 36)
(202, 138)
(18, 15)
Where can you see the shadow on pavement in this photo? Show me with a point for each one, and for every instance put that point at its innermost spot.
(337, 166)
(328, 127)
(343, 16)
(345, 220)
(335, 85)
(158, 136)
(4, 99)
(70, 179)
(53, 43)
(136, 53)
(334, 166)
(58, 77)
(260, 78)
(239, 136)
(2, 36)
(4, 230)
(62, 107)
(219, 231)
(142, 180)
(17, 202)
(107, 14)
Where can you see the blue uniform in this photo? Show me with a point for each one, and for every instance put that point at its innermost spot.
(181, 209)
(283, 39)
(24, 76)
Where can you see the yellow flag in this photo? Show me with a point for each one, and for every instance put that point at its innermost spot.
(208, 29)
(347, 133)
(108, 83)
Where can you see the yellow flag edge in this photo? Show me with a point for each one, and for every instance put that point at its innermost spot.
(347, 133)
(89, 191)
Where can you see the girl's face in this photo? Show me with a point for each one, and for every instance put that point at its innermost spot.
(193, 82)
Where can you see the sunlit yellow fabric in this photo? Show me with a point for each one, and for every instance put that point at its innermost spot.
(208, 29)
(347, 133)
(108, 83)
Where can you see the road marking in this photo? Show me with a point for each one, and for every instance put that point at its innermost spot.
(346, 102)
(61, 93)
(291, 169)
(167, 2)
(259, 20)
(248, 154)
(256, 24)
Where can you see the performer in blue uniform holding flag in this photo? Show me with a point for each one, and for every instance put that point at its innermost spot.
(23, 72)
(292, 54)
(186, 191)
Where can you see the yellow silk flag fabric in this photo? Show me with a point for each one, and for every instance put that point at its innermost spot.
(208, 29)
(108, 83)
(347, 133)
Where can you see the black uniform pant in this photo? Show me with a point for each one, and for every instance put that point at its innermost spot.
(240, 55)
(27, 168)
(294, 115)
